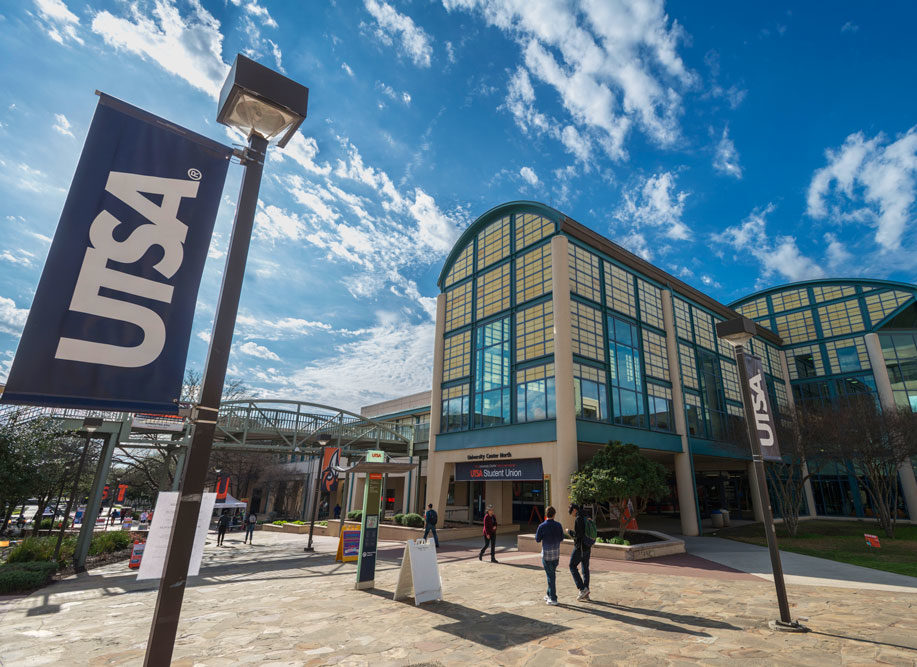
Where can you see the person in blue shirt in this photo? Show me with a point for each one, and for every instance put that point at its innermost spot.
(550, 534)
(430, 518)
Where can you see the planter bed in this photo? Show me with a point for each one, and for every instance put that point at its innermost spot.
(393, 532)
(662, 545)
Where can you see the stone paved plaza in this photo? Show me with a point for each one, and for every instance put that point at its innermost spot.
(273, 604)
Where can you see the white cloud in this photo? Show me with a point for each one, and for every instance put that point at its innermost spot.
(436, 230)
(254, 350)
(872, 181)
(850, 27)
(189, 46)
(287, 328)
(391, 93)
(275, 224)
(257, 11)
(346, 68)
(840, 260)
(392, 358)
(780, 255)
(656, 204)
(303, 150)
(20, 256)
(391, 25)
(726, 159)
(60, 23)
(12, 319)
(529, 176)
(636, 243)
(618, 64)
(450, 53)
(62, 125)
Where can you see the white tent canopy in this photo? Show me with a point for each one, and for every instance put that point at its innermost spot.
(229, 503)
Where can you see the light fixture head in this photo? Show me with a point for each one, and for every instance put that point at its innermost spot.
(324, 438)
(737, 331)
(91, 424)
(257, 100)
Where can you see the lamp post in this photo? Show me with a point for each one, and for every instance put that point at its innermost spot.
(758, 416)
(323, 440)
(265, 105)
(90, 424)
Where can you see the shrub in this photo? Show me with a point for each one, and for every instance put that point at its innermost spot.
(45, 524)
(106, 543)
(31, 549)
(355, 515)
(18, 578)
(297, 523)
(278, 522)
(412, 520)
(398, 518)
(321, 523)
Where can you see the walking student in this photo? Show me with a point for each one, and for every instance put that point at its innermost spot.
(250, 528)
(550, 534)
(221, 527)
(430, 518)
(490, 534)
(582, 550)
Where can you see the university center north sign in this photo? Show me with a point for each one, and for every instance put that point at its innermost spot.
(521, 470)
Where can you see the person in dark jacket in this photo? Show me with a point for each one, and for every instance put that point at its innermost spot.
(581, 553)
(430, 519)
(222, 526)
(550, 534)
(490, 534)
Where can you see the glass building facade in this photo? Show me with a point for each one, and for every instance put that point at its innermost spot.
(552, 341)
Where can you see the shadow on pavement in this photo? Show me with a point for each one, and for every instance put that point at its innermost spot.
(677, 618)
(863, 639)
(632, 620)
(496, 631)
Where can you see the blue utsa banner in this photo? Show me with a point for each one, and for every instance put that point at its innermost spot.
(765, 424)
(111, 320)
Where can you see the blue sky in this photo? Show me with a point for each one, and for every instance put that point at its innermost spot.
(737, 146)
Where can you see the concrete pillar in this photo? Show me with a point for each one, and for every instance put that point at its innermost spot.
(791, 401)
(755, 495)
(493, 495)
(92, 505)
(565, 453)
(685, 485)
(435, 469)
(887, 400)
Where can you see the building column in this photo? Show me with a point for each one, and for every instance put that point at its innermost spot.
(437, 487)
(565, 453)
(755, 495)
(791, 402)
(95, 500)
(685, 484)
(887, 400)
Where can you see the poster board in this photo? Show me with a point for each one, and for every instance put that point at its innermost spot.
(419, 573)
(348, 544)
(157, 544)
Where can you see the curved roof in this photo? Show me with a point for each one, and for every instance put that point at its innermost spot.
(496, 212)
(870, 282)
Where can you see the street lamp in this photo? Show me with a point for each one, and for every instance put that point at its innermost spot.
(758, 416)
(90, 424)
(323, 440)
(262, 104)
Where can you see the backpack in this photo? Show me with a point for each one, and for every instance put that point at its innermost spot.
(432, 517)
(590, 532)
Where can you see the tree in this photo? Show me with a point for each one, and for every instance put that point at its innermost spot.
(616, 475)
(797, 437)
(872, 443)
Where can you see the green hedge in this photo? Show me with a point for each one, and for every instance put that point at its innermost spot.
(22, 577)
(106, 543)
(355, 515)
(412, 520)
(398, 519)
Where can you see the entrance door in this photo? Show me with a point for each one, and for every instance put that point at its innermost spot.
(477, 501)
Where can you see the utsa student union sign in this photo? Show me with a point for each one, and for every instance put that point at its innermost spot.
(521, 470)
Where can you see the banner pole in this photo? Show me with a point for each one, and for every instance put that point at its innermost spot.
(164, 626)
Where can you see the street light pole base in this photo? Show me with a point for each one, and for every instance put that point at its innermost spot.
(792, 626)
(309, 549)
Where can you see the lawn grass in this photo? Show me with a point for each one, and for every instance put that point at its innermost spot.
(842, 541)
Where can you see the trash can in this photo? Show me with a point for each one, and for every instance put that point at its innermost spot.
(725, 514)
(717, 518)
